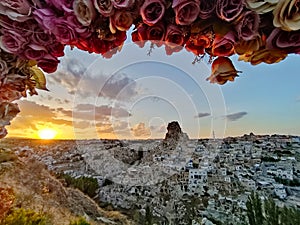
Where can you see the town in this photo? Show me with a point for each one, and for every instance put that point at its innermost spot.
(179, 179)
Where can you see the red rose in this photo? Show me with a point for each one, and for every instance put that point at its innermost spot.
(186, 11)
(174, 39)
(197, 43)
(56, 49)
(155, 33)
(139, 36)
(48, 64)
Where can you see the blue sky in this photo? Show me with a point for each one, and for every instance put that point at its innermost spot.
(134, 95)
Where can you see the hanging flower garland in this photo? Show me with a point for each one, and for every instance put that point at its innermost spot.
(34, 33)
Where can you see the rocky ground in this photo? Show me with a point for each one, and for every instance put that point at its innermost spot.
(32, 187)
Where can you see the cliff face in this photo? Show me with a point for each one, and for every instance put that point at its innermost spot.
(31, 186)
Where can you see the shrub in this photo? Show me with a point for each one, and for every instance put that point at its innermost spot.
(7, 156)
(25, 217)
(80, 221)
(87, 185)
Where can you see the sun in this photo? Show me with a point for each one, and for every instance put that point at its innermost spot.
(47, 133)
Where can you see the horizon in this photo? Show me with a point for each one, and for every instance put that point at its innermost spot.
(154, 139)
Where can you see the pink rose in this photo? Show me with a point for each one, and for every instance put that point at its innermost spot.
(119, 4)
(45, 18)
(186, 11)
(63, 31)
(104, 7)
(25, 28)
(13, 42)
(247, 26)
(197, 43)
(66, 29)
(174, 39)
(120, 20)
(288, 42)
(48, 64)
(229, 10)
(38, 36)
(34, 52)
(84, 11)
(80, 31)
(223, 45)
(152, 11)
(62, 5)
(18, 10)
(207, 9)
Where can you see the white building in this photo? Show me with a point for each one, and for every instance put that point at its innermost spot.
(197, 179)
(280, 191)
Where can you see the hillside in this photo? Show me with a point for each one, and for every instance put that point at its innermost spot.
(27, 184)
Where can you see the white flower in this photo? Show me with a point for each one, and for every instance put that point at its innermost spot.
(287, 15)
(84, 11)
(260, 6)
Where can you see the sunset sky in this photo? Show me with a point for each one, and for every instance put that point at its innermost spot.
(134, 95)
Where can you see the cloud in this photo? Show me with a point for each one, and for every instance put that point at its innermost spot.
(140, 130)
(34, 109)
(235, 116)
(33, 114)
(73, 76)
(90, 112)
(158, 129)
(298, 99)
(82, 124)
(119, 87)
(200, 115)
(103, 110)
(62, 101)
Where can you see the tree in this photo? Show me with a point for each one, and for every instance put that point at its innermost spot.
(148, 216)
(271, 212)
(289, 216)
(268, 213)
(254, 209)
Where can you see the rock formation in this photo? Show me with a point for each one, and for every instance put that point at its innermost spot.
(173, 136)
